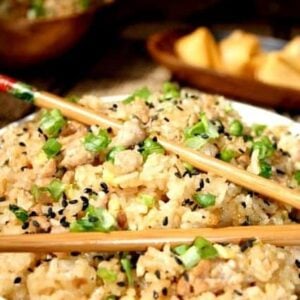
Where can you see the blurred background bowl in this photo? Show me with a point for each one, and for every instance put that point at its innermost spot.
(26, 42)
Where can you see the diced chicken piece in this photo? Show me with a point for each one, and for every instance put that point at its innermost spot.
(128, 161)
(47, 170)
(195, 284)
(210, 150)
(39, 224)
(75, 155)
(68, 177)
(130, 134)
(62, 279)
(139, 109)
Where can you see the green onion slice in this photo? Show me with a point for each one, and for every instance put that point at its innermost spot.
(126, 265)
(20, 213)
(107, 275)
(52, 122)
(96, 219)
(143, 94)
(52, 147)
(96, 142)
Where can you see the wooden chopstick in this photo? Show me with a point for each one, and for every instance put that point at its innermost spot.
(280, 235)
(206, 163)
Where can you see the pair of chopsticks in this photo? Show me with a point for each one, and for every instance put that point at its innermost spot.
(201, 161)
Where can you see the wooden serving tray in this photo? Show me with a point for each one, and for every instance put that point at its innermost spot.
(161, 47)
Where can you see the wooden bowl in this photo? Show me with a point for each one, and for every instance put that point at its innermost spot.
(161, 47)
(26, 42)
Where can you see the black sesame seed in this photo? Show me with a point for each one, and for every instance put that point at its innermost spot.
(121, 284)
(61, 211)
(74, 201)
(165, 221)
(33, 214)
(64, 203)
(88, 190)
(104, 187)
(166, 119)
(2, 198)
(109, 130)
(164, 291)
(187, 202)
(75, 253)
(243, 203)
(297, 263)
(246, 244)
(201, 185)
(51, 214)
(63, 222)
(25, 225)
(155, 295)
(17, 280)
(238, 293)
(186, 276)
(157, 274)
(22, 144)
(23, 168)
(154, 139)
(85, 202)
(178, 261)
(250, 193)
(179, 107)
(241, 150)
(207, 180)
(280, 172)
(177, 174)
(294, 215)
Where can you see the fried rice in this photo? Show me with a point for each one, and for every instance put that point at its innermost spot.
(58, 175)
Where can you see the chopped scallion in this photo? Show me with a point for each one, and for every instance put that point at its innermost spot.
(143, 94)
(258, 129)
(96, 219)
(264, 146)
(52, 122)
(112, 153)
(181, 249)
(170, 91)
(52, 147)
(200, 133)
(96, 142)
(147, 200)
(107, 275)
(150, 146)
(126, 265)
(297, 176)
(265, 169)
(20, 213)
(191, 256)
(56, 189)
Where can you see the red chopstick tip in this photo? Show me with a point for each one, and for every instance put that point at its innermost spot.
(6, 83)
